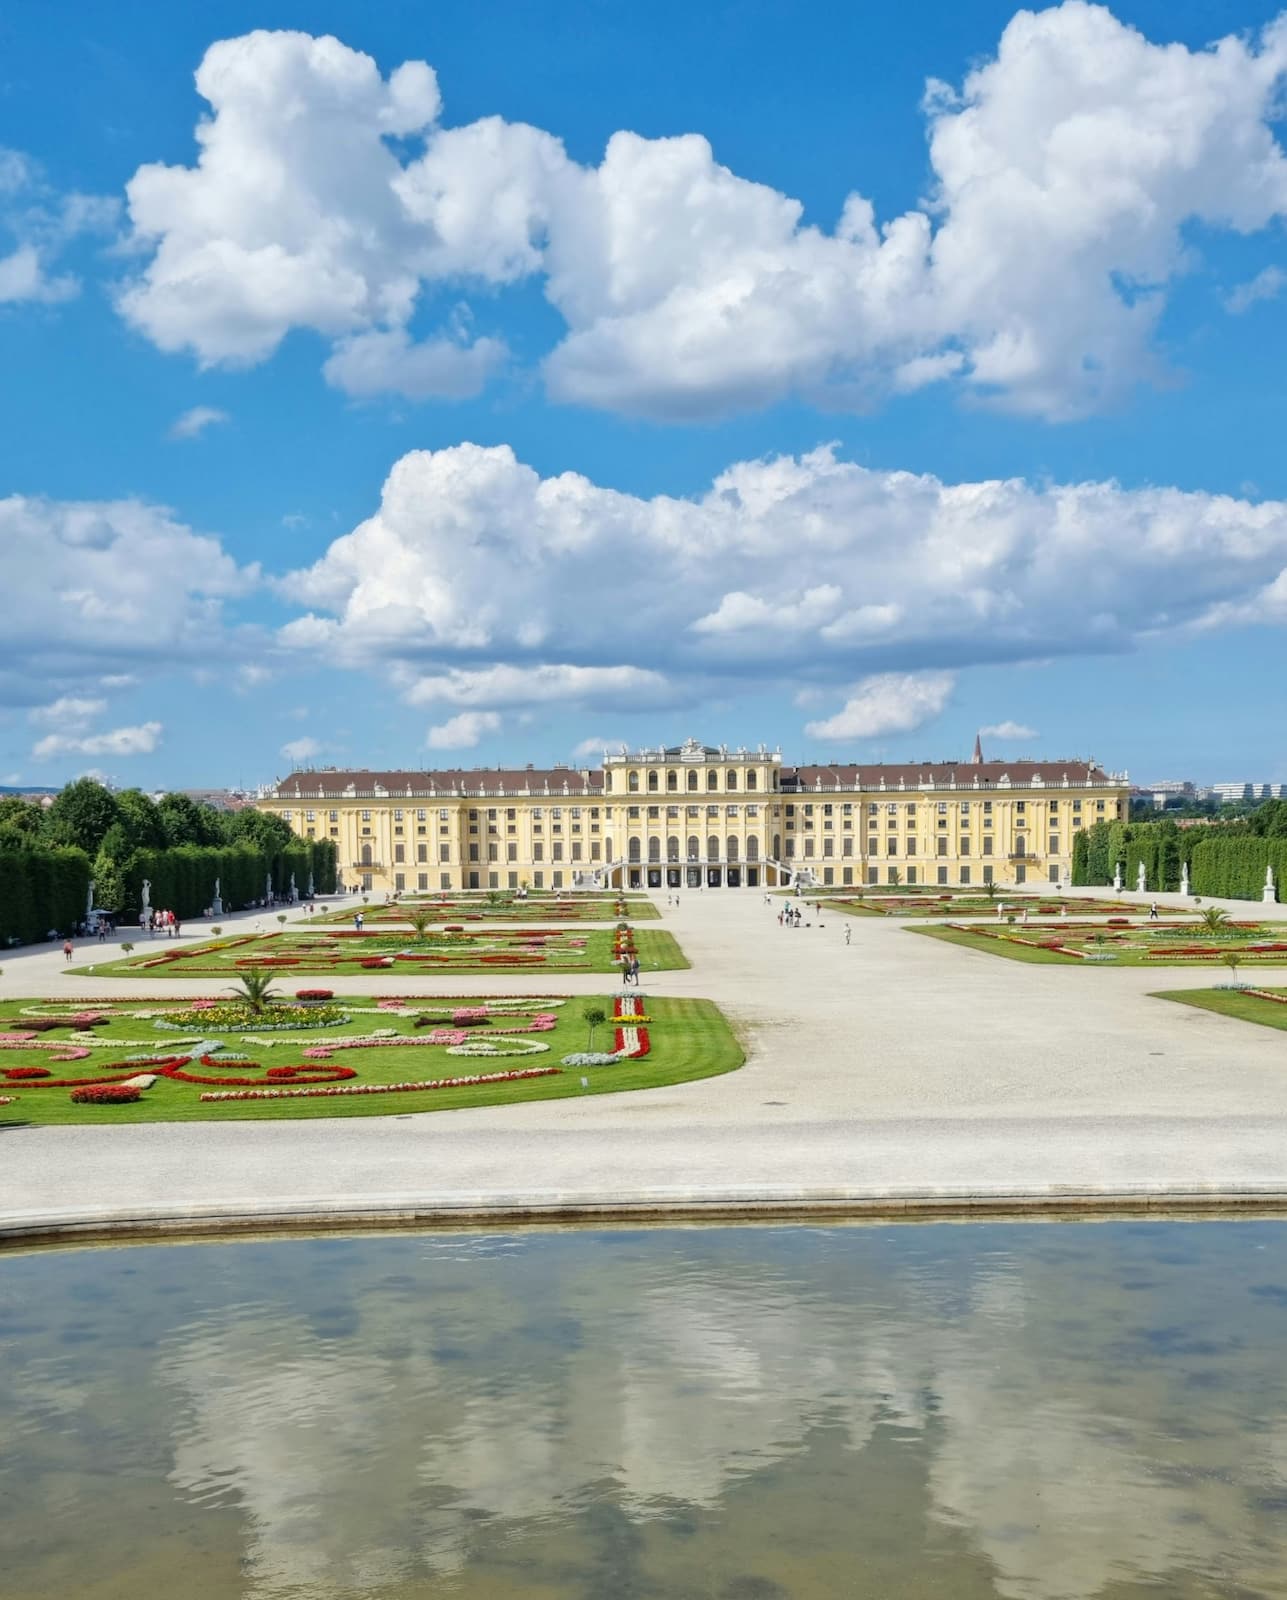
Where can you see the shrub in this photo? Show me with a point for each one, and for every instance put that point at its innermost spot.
(18, 1074)
(105, 1094)
(314, 994)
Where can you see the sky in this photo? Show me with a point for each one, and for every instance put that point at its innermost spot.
(459, 385)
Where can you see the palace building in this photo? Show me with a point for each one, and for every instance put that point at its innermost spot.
(702, 816)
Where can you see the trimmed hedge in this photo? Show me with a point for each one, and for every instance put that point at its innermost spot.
(40, 890)
(1224, 862)
(182, 880)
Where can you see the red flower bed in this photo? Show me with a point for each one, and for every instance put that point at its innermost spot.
(105, 1094)
(21, 1074)
(174, 1069)
(315, 994)
(395, 1088)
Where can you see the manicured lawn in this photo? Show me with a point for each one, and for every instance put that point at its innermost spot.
(1246, 1006)
(686, 1039)
(923, 903)
(1141, 945)
(338, 952)
(536, 910)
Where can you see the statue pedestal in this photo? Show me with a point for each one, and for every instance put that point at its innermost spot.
(1269, 896)
(216, 907)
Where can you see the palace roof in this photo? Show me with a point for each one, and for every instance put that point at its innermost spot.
(330, 782)
(947, 774)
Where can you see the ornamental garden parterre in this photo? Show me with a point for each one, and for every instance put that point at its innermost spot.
(114, 1060)
(1120, 942)
(447, 948)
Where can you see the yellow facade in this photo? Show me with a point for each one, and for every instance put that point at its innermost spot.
(694, 815)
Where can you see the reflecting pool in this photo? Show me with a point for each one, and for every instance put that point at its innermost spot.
(1030, 1411)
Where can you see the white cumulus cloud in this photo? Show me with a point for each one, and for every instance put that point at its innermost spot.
(1008, 730)
(888, 702)
(67, 712)
(464, 731)
(194, 422)
(298, 751)
(1065, 172)
(482, 582)
(136, 741)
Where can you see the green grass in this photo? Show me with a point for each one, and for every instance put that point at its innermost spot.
(1231, 1003)
(326, 954)
(542, 910)
(1008, 952)
(690, 1039)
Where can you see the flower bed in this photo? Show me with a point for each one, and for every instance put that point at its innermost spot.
(106, 1094)
(391, 1088)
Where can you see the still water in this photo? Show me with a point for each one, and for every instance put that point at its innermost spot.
(1036, 1412)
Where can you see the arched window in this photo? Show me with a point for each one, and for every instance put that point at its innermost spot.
(672, 847)
(777, 847)
(752, 849)
(692, 780)
(730, 779)
(366, 855)
(712, 779)
(607, 848)
(1019, 845)
(730, 851)
(694, 848)
(654, 849)
(652, 783)
(633, 783)
(712, 847)
(751, 781)
(672, 780)
(634, 848)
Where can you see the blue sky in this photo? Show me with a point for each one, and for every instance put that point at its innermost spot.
(466, 412)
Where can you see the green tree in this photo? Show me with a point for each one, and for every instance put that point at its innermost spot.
(139, 819)
(1232, 959)
(594, 1017)
(109, 885)
(260, 829)
(420, 921)
(183, 821)
(80, 815)
(22, 819)
(1214, 919)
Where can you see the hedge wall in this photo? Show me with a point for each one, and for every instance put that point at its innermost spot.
(1227, 863)
(41, 890)
(182, 880)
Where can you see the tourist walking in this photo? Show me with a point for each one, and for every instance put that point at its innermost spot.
(634, 969)
(67, 949)
(848, 934)
(1152, 912)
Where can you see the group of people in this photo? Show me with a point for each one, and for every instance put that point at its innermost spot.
(153, 921)
(630, 970)
(791, 917)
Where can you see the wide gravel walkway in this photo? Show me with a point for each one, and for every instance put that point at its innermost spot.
(896, 1067)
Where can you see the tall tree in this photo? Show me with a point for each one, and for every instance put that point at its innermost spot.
(80, 815)
(259, 828)
(139, 819)
(185, 822)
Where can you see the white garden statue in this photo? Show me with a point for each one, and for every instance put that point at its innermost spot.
(1184, 879)
(1270, 893)
(1141, 880)
(1117, 878)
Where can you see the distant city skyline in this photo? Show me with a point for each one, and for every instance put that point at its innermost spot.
(389, 389)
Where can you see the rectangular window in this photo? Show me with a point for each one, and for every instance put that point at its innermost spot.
(558, 851)
(397, 816)
(1021, 806)
(538, 851)
(965, 844)
(847, 875)
(965, 876)
(557, 881)
(873, 847)
(942, 874)
(987, 851)
(422, 816)
(987, 874)
(848, 849)
(332, 816)
(911, 875)
(366, 816)
(1054, 844)
(594, 850)
(511, 879)
(399, 880)
(538, 880)
(399, 852)
(893, 875)
(422, 880)
(873, 874)
(422, 852)
(911, 846)
(942, 847)
(790, 848)
(473, 856)
(892, 849)
(828, 875)
(808, 847)
(310, 816)
(493, 880)
(444, 853)
(576, 850)
(511, 852)
(492, 852)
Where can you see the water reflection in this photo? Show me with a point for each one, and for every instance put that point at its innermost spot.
(1036, 1413)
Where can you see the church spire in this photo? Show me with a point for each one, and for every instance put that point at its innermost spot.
(977, 758)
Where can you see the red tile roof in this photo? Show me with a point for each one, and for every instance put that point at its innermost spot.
(1013, 774)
